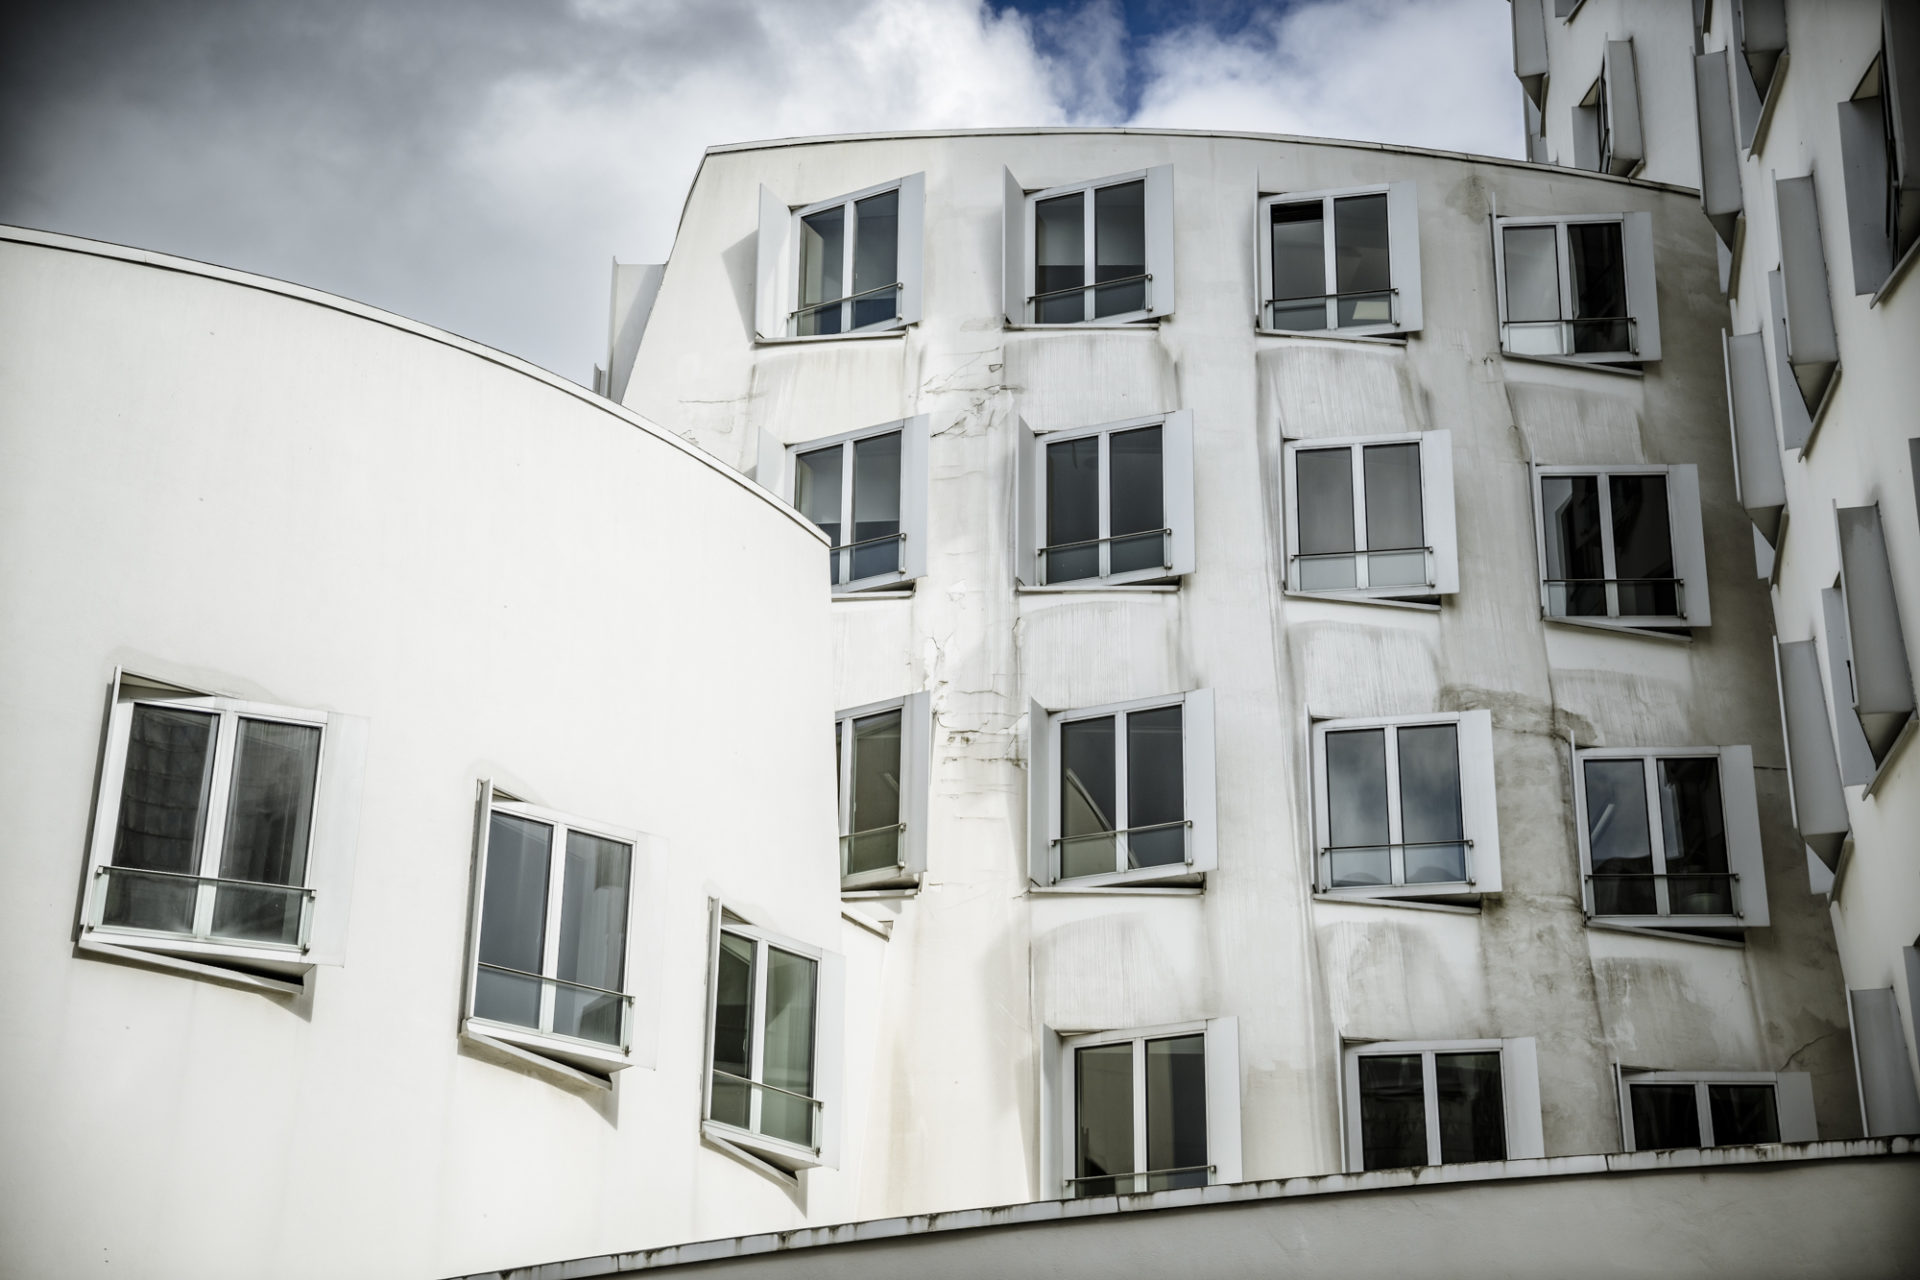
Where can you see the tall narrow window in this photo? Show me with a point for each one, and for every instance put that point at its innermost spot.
(1416, 1104)
(1664, 1110)
(1622, 546)
(883, 769)
(1578, 288)
(866, 490)
(1150, 1109)
(1372, 517)
(1106, 512)
(1090, 251)
(1343, 261)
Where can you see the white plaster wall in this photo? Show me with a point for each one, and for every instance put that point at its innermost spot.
(299, 500)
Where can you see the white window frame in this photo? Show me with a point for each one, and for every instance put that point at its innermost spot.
(1018, 263)
(1059, 1103)
(916, 747)
(331, 837)
(781, 1159)
(777, 265)
(1177, 503)
(1519, 1093)
(1437, 515)
(1479, 809)
(1403, 259)
(1684, 530)
(777, 469)
(1792, 1101)
(1636, 251)
(590, 1059)
(1199, 803)
(1740, 821)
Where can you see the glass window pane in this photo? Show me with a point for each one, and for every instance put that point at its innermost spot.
(1620, 837)
(1087, 797)
(1137, 502)
(1472, 1119)
(874, 842)
(1396, 530)
(1299, 268)
(876, 258)
(1599, 272)
(1357, 807)
(1643, 546)
(163, 812)
(787, 1061)
(1060, 259)
(1073, 510)
(1743, 1113)
(1156, 787)
(876, 505)
(822, 269)
(269, 814)
(1103, 1119)
(1576, 568)
(1694, 831)
(1120, 248)
(816, 492)
(1430, 820)
(733, 1031)
(1177, 1111)
(1533, 274)
(1361, 274)
(1393, 1111)
(1323, 485)
(513, 920)
(594, 892)
(1664, 1116)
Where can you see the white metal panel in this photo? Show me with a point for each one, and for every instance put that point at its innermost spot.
(1029, 497)
(770, 273)
(1586, 136)
(1721, 196)
(915, 440)
(1900, 79)
(1813, 769)
(1530, 46)
(1888, 1104)
(1403, 254)
(1436, 495)
(1520, 1088)
(1856, 757)
(1793, 1105)
(1176, 480)
(1040, 766)
(916, 776)
(1689, 543)
(635, 287)
(830, 1054)
(771, 471)
(912, 251)
(1811, 340)
(1627, 145)
(1480, 798)
(1789, 402)
(1863, 170)
(1882, 680)
(1201, 798)
(1643, 303)
(1015, 269)
(1055, 1124)
(1746, 856)
(1159, 216)
(1222, 1040)
(336, 835)
(1758, 475)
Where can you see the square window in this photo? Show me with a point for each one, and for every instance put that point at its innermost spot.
(882, 750)
(1371, 517)
(1441, 1102)
(1577, 288)
(1340, 261)
(846, 266)
(1090, 252)
(1106, 505)
(867, 491)
(1622, 547)
(1666, 1110)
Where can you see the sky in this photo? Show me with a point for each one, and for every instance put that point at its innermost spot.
(477, 164)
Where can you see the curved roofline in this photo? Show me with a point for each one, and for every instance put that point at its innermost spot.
(360, 310)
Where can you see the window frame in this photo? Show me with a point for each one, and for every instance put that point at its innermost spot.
(1176, 490)
(777, 265)
(1438, 515)
(1740, 821)
(1519, 1094)
(589, 1058)
(1686, 537)
(916, 746)
(1198, 793)
(1479, 808)
(1403, 260)
(778, 469)
(777, 1157)
(1640, 279)
(326, 881)
(1792, 1101)
(1018, 261)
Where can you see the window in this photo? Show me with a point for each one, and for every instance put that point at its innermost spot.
(1441, 1102)
(1882, 177)
(553, 967)
(1122, 794)
(1405, 807)
(1813, 345)
(1144, 1110)
(1606, 122)
(1879, 684)
(1090, 251)
(843, 266)
(1889, 1104)
(223, 834)
(883, 769)
(1577, 288)
(1622, 547)
(1670, 838)
(1759, 35)
(1662, 1110)
(773, 1037)
(1530, 47)
(1105, 505)
(867, 490)
(1345, 261)
(1372, 516)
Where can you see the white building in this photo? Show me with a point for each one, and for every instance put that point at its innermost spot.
(1800, 122)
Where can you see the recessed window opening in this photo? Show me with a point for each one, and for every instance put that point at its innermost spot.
(1122, 793)
(1609, 547)
(1105, 505)
(1361, 523)
(849, 266)
(1090, 254)
(1331, 265)
(1673, 1114)
(1657, 835)
(1140, 1116)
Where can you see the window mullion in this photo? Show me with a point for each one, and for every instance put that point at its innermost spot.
(1139, 1114)
(1396, 833)
(1121, 819)
(846, 514)
(1092, 252)
(1362, 563)
(1330, 313)
(757, 1033)
(1703, 1104)
(1563, 262)
(213, 831)
(1609, 565)
(1104, 530)
(1657, 836)
(847, 239)
(1430, 1096)
(550, 951)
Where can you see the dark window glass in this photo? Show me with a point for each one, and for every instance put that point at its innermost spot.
(1120, 248)
(1177, 1112)
(876, 505)
(1430, 820)
(1472, 1119)
(1073, 510)
(873, 844)
(1695, 832)
(1156, 794)
(1087, 797)
(1357, 809)
(1299, 267)
(1743, 1113)
(1137, 507)
(594, 891)
(1060, 259)
(1533, 275)
(1361, 272)
(269, 816)
(733, 1031)
(1576, 565)
(1599, 274)
(1103, 1119)
(1620, 836)
(822, 269)
(163, 813)
(1664, 1116)
(1393, 1111)
(1323, 484)
(876, 258)
(817, 491)
(513, 920)
(1396, 532)
(1643, 546)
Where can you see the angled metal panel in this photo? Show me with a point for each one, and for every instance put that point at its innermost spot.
(1758, 474)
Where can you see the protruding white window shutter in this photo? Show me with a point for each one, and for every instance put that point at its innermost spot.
(1900, 79)
(1040, 783)
(1436, 496)
(1520, 1087)
(1813, 346)
(1789, 402)
(771, 267)
(1793, 1106)
(336, 835)
(1863, 170)
(771, 471)
(1222, 1042)
(1757, 472)
(1745, 855)
(1623, 108)
(912, 251)
(1016, 267)
(1197, 773)
(1721, 197)
(1889, 1103)
(1176, 479)
(1480, 799)
(1882, 680)
(916, 776)
(1029, 503)
(1856, 757)
(1530, 46)
(1813, 767)
(1643, 303)
(830, 1053)
(1689, 543)
(1403, 253)
(915, 437)
(1159, 215)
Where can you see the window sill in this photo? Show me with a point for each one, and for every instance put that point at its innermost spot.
(1137, 889)
(1142, 325)
(860, 335)
(1898, 273)
(1330, 335)
(1392, 900)
(203, 965)
(1091, 587)
(286, 963)
(1619, 368)
(876, 593)
(785, 1159)
(1622, 629)
(575, 1057)
(891, 891)
(1347, 597)
(1819, 413)
(1673, 933)
(894, 880)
